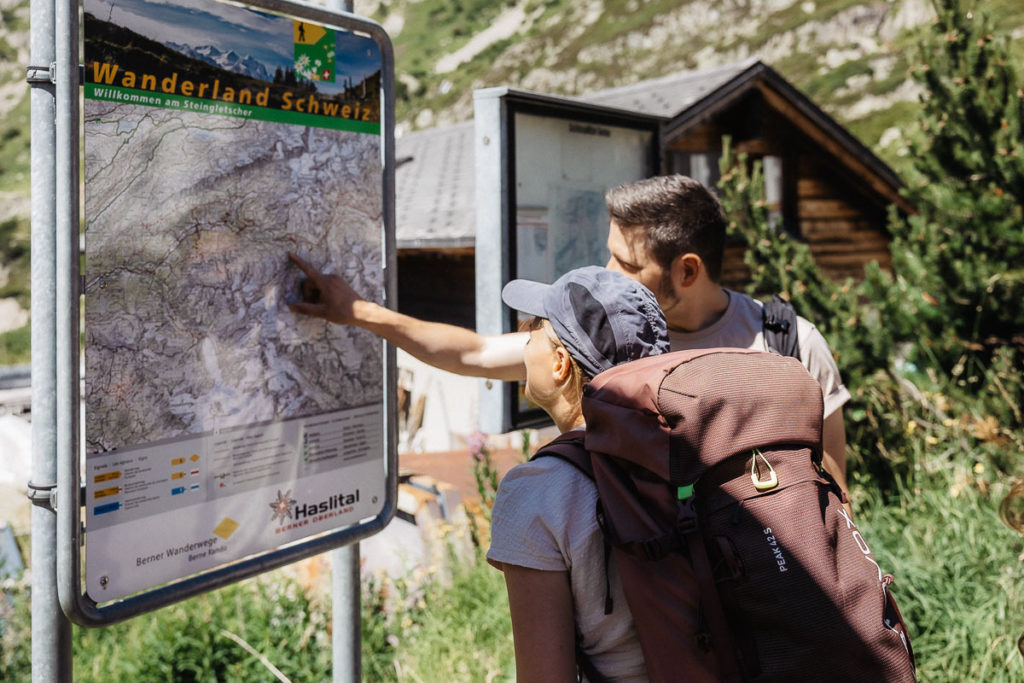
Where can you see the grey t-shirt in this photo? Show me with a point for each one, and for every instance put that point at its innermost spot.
(544, 518)
(741, 327)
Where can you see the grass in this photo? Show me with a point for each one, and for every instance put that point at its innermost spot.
(456, 630)
(14, 147)
(957, 571)
(15, 257)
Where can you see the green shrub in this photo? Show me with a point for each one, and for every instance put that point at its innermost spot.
(16, 346)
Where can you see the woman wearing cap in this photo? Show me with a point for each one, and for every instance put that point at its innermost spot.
(545, 536)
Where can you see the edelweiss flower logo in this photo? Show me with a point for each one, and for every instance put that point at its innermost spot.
(282, 507)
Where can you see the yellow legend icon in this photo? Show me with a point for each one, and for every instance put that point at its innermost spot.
(195, 457)
(177, 461)
(226, 527)
(103, 493)
(106, 476)
(177, 475)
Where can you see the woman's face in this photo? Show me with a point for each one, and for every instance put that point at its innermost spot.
(539, 355)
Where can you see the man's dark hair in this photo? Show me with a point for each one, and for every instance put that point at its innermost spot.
(678, 216)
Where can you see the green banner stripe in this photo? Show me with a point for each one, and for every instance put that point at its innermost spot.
(111, 93)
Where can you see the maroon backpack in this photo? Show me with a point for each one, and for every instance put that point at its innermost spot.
(737, 557)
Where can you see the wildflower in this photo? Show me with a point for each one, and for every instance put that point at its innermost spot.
(931, 440)
(979, 468)
(911, 426)
(477, 444)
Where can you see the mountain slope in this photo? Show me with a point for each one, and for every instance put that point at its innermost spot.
(850, 56)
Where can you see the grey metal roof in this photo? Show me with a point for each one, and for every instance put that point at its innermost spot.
(669, 95)
(434, 185)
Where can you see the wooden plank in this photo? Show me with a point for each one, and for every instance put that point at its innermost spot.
(848, 260)
(810, 188)
(706, 137)
(846, 250)
(845, 232)
(830, 230)
(827, 208)
(756, 148)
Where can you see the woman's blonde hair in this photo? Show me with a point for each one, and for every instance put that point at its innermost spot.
(577, 378)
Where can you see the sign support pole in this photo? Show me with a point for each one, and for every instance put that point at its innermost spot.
(51, 630)
(346, 638)
(346, 601)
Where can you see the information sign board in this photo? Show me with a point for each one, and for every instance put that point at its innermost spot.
(220, 426)
(543, 167)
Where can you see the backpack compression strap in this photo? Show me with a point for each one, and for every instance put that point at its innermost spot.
(778, 320)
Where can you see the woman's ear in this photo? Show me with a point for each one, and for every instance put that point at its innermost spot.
(561, 368)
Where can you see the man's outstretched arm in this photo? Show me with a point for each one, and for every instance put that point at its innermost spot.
(448, 347)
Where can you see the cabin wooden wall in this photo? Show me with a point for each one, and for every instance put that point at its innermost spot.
(844, 229)
(824, 202)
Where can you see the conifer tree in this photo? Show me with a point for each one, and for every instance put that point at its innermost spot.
(959, 262)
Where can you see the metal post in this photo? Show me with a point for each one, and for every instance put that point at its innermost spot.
(346, 614)
(67, 306)
(51, 631)
(346, 599)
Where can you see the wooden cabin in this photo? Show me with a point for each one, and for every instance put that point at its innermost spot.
(825, 187)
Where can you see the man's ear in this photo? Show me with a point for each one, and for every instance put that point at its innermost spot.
(686, 269)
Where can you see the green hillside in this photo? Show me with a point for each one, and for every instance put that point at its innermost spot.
(850, 57)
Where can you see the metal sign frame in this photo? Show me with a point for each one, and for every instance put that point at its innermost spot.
(75, 602)
(495, 111)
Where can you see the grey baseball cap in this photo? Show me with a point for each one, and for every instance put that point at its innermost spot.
(602, 317)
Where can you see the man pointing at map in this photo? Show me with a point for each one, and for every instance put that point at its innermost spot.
(668, 233)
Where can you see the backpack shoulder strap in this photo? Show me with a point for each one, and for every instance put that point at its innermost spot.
(779, 326)
(569, 447)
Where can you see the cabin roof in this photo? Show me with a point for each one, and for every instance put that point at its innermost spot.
(435, 173)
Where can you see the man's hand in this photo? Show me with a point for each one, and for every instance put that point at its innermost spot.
(444, 346)
(325, 296)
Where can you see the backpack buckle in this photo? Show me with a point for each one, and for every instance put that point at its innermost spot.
(762, 484)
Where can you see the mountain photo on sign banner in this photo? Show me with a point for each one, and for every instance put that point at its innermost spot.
(198, 50)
